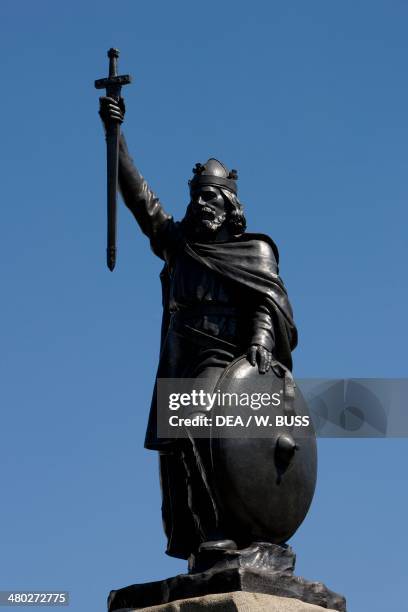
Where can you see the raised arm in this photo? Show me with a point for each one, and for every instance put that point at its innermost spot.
(138, 197)
(153, 220)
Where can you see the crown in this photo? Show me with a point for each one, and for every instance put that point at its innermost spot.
(214, 173)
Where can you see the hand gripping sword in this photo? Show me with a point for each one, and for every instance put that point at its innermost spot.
(113, 85)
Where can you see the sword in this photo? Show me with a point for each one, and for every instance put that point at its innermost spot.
(113, 85)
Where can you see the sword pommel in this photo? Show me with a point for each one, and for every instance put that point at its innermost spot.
(112, 52)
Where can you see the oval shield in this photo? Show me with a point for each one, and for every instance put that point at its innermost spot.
(264, 460)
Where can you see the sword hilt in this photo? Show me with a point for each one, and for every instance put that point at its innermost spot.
(113, 83)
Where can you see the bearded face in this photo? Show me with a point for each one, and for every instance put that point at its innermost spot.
(207, 210)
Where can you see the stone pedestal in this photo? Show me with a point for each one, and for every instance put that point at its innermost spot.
(234, 602)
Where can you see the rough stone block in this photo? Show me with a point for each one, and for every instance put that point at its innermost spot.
(233, 602)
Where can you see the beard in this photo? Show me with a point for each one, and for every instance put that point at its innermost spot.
(204, 224)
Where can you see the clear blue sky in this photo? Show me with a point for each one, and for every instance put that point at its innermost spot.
(308, 100)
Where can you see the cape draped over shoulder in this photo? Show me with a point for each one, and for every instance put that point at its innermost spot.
(251, 260)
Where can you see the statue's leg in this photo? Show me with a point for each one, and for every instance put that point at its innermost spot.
(212, 526)
(190, 509)
(178, 523)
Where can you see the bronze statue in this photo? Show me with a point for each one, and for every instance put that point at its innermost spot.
(227, 324)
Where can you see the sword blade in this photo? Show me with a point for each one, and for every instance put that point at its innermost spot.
(112, 158)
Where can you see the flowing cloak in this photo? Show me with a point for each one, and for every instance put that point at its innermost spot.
(251, 261)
